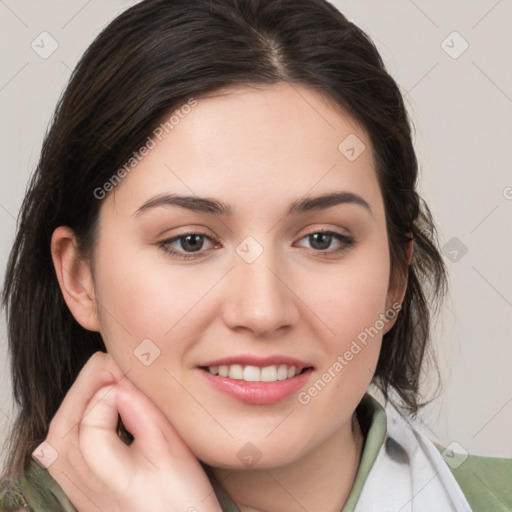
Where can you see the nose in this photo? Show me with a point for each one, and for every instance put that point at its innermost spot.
(260, 297)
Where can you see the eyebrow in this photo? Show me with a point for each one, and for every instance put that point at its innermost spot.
(213, 206)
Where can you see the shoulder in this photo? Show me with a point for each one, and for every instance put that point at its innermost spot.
(485, 481)
(11, 497)
(34, 491)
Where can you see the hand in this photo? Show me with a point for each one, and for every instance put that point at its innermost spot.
(98, 471)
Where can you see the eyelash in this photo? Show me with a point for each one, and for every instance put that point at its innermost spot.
(346, 240)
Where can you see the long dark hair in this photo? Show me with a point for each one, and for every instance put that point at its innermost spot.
(151, 59)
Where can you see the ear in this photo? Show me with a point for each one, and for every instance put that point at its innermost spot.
(396, 291)
(75, 278)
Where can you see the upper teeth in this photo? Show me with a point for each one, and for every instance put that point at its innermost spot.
(254, 373)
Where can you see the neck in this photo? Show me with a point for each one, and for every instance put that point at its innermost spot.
(320, 480)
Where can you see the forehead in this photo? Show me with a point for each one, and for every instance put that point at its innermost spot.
(264, 144)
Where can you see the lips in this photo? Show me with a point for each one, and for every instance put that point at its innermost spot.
(256, 380)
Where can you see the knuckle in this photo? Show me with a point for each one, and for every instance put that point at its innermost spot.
(104, 366)
(98, 359)
(55, 427)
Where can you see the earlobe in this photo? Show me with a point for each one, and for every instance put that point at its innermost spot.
(396, 294)
(410, 250)
(75, 278)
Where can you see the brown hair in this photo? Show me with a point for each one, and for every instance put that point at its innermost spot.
(153, 58)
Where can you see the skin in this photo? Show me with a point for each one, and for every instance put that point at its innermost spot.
(258, 150)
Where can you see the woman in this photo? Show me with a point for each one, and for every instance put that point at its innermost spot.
(221, 249)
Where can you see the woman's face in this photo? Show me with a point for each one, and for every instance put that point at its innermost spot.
(260, 286)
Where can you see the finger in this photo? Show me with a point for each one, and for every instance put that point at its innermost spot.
(106, 455)
(154, 436)
(153, 433)
(156, 441)
(99, 371)
(157, 455)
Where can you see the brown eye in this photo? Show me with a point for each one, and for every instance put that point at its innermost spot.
(191, 242)
(183, 246)
(322, 240)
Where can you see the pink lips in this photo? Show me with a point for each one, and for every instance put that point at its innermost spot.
(258, 393)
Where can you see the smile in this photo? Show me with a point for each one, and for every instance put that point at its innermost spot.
(246, 384)
(250, 373)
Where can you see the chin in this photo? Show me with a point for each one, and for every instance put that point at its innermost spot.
(247, 455)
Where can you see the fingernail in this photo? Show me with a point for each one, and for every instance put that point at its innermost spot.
(45, 454)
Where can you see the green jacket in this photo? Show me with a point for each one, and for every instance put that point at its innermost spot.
(485, 481)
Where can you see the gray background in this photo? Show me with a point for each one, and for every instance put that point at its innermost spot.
(460, 103)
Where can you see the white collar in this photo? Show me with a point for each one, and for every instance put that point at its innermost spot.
(409, 474)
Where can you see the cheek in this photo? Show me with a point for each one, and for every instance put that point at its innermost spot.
(350, 306)
(130, 298)
(350, 303)
(351, 298)
(141, 297)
